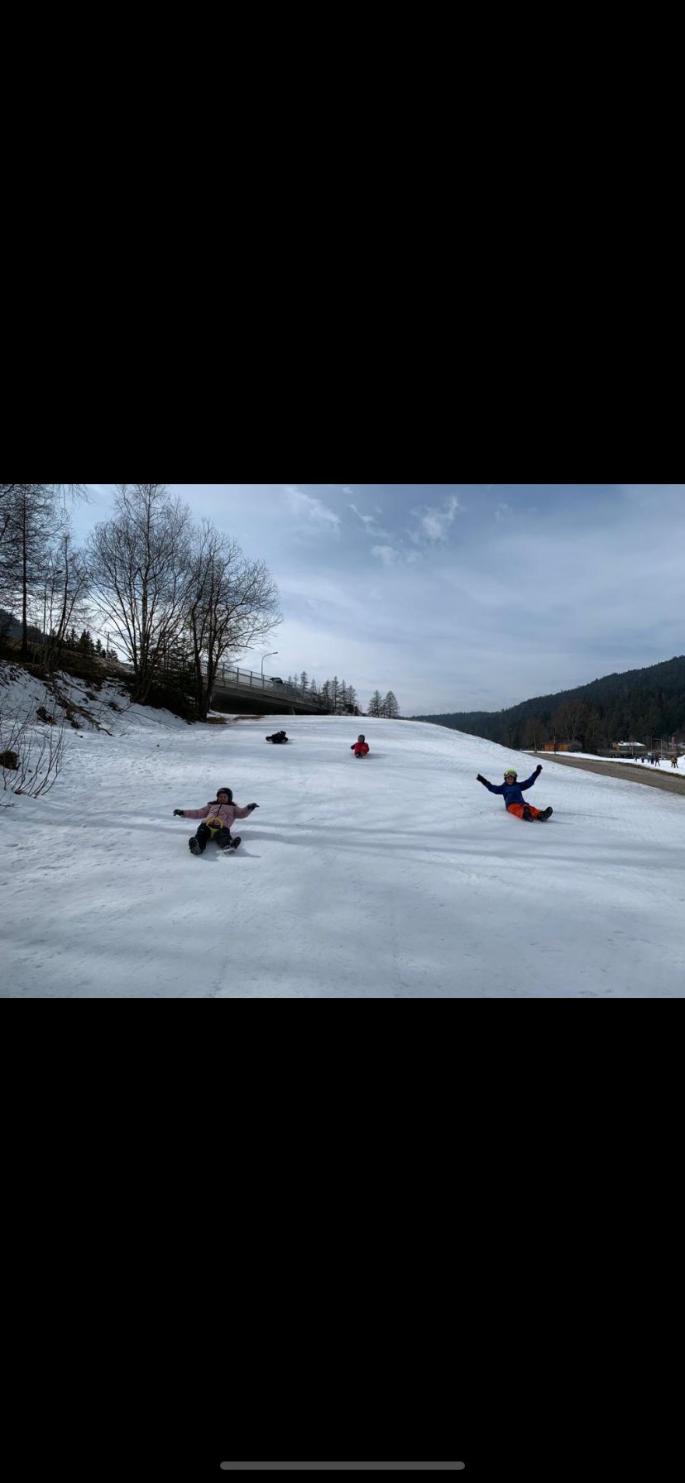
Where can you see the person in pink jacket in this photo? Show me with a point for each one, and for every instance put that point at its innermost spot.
(218, 818)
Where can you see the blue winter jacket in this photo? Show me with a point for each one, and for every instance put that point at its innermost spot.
(513, 792)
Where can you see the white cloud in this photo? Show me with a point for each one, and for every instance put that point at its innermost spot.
(371, 526)
(311, 510)
(435, 520)
(387, 554)
(367, 519)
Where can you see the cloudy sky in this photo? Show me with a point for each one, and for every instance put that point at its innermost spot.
(457, 596)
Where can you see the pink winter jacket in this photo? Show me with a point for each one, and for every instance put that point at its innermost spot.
(223, 814)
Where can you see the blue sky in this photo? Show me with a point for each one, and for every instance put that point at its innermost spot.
(457, 596)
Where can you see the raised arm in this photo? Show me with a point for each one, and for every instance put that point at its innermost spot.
(491, 786)
(243, 813)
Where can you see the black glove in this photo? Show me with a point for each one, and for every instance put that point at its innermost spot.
(539, 767)
(179, 813)
(252, 806)
(479, 779)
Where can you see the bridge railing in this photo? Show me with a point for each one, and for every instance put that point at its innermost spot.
(246, 679)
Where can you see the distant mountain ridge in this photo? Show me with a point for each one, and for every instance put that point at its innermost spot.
(639, 705)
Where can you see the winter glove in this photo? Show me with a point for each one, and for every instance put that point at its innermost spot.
(479, 779)
(179, 813)
(539, 767)
(252, 807)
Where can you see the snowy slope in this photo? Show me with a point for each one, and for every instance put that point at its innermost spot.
(397, 876)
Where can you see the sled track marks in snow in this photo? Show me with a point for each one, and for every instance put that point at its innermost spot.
(388, 880)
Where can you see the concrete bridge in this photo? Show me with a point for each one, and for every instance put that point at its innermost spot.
(241, 692)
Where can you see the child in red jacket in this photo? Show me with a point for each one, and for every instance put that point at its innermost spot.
(361, 747)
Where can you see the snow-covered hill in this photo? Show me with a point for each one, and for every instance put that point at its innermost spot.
(396, 876)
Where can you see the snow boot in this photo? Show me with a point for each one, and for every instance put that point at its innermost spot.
(194, 846)
(546, 813)
(233, 844)
(527, 815)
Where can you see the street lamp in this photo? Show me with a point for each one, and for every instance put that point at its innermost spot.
(268, 656)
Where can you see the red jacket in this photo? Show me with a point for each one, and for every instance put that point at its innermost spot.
(360, 749)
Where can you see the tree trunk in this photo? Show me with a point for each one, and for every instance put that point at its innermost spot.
(199, 683)
(210, 686)
(24, 583)
(142, 686)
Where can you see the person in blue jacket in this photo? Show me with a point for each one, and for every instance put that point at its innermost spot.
(512, 792)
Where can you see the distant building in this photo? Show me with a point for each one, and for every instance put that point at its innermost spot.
(563, 746)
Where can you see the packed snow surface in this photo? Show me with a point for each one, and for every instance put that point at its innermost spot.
(397, 876)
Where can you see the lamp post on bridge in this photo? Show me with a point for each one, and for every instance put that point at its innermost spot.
(268, 656)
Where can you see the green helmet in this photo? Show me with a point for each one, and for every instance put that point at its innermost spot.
(510, 772)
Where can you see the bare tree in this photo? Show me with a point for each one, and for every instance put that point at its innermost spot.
(66, 494)
(65, 592)
(32, 518)
(30, 523)
(231, 605)
(31, 763)
(6, 498)
(140, 563)
(6, 519)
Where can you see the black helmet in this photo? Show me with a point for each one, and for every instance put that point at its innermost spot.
(361, 738)
(225, 790)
